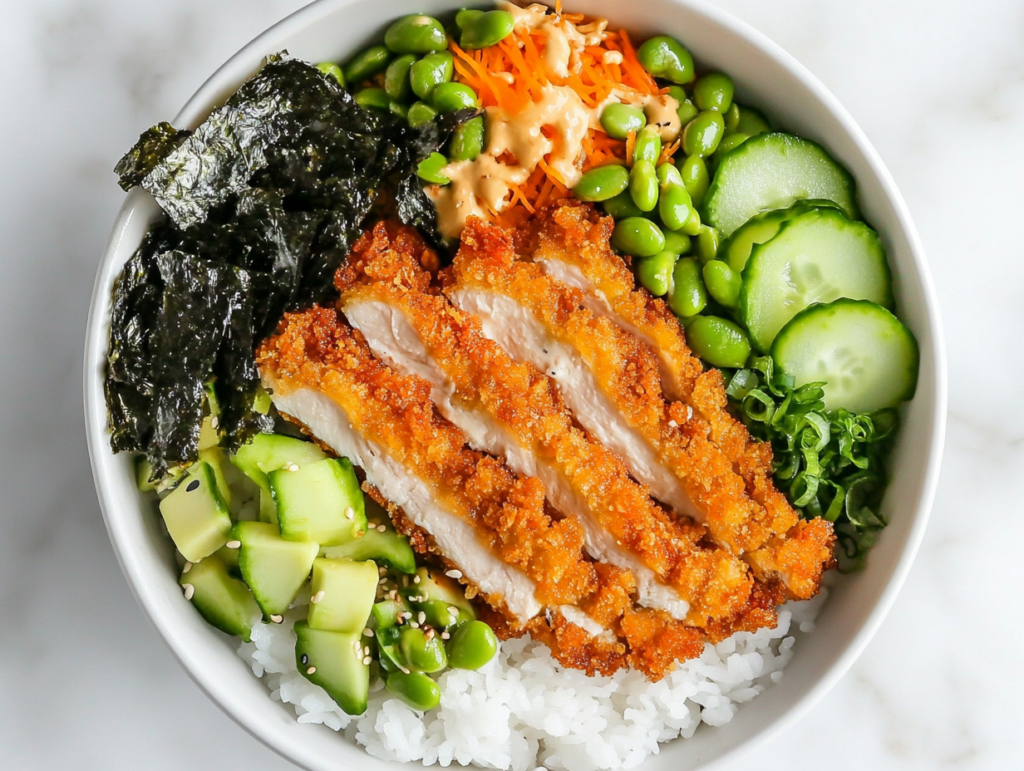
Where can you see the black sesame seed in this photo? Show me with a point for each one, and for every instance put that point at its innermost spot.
(304, 659)
(193, 485)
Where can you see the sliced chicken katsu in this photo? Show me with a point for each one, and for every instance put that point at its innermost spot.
(511, 409)
(468, 508)
(570, 243)
(609, 378)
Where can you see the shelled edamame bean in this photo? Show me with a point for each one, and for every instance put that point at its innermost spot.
(373, 98)
(643, 185)
(655, 273)
(722, 282)
(602, 183)
(428, 73)
(696, 178)
(485, 29)
(638, 237)
(416, 34)
(665, 57)
(396, 78)
(467, 140)
(674, 203)
(707, 243)
(416, 689)
(420, 113)
(431, 169)
(618, 120)
(472, 645)
(422, 654)
(449, 97)
(332, 69)
(647, 146)
(622, 206)
(688, 295)
(713, 92)
(720, 342)
(702, 134)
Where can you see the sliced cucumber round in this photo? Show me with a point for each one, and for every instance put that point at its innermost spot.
(764, 227)
(817, 257)
(866, 357)
(771, 171)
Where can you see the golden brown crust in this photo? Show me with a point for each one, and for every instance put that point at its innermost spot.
(386, 267)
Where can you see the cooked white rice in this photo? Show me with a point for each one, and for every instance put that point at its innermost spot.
(523, 709)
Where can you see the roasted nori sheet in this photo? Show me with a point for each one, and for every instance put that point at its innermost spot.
(263, 201)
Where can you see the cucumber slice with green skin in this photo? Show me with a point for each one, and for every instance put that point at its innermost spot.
(218, 459)
(344, 592)
(334, 661)
(319, 502)
(196, 515)
(390, 548)
(274, 569)
(224, 602)
(771, 171)
(389, 651)
(866, 357)
(763, 228)
(270, 452)
(817, 257)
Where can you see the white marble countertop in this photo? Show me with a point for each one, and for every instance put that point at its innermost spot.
(87, 683)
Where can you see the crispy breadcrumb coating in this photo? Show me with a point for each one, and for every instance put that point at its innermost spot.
(386, 267)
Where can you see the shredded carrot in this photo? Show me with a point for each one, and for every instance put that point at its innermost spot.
(513, 73)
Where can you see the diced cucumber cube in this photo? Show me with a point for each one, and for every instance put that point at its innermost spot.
(342, 594)
(388, 613)
(222, 600)
(319, 502)
(390, 547)
(334, 661)
(196, 515)
(270, 452)
(218, 459)
(275, 569)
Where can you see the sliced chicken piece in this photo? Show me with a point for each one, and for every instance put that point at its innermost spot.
(609, 378)
(511, 409)
(570, 242)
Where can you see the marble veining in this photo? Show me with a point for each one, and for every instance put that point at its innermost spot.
(87, 684)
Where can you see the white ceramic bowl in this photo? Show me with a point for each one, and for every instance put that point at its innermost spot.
(765, 76)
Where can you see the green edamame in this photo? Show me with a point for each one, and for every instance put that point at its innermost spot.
(485, 30)
(366, 64)
(722, 282)
(674, 206)
(373, 99)
(415, 689)
(618, 120)
(449, 97)
(643, 185)
(720, 342)
(696, 179)
(332, 69)
(467, 140)
(396, 78)
(430, 72)
(420, 113)
(431, 169)
(422, 653)
(648, 145)
(730, 142)
(676, 243)
(692, 226)
(666, 58)
(622, 206)
(731, 118)
(399, 109)
(752, 122)
(467, 15)
(655, 273)
(702, 134)
(713, 92)
(638, 237)
(472, 645)
(687, 296)
(707, 243)
(602, 183)
(669, 175)
(416, 34)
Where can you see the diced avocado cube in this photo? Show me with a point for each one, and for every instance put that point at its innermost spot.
(222, 600)
(270, 452)
(196, 515)
(319, 502)
(387, 613)
(275, 569)
(342, 594)
(437, 596)
(334, 661)
(390, 547)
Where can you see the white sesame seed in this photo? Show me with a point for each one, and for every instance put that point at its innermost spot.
(414, 625)
(215, 422)
(367, 660)
(422, 617)
(277, 619)
(383, 580)
(293, 466)
(350, 513)
(672, 424)
(311, 670)
(445, 636)
(454, 574)
(453, 610)
(355, 646)
(189, 591)
(415, 579)
(367, 632)
(317, 597)
(373, 523)
(689, 412)
(187, 567)
(382, 528)
(366, 650)
(234, 544)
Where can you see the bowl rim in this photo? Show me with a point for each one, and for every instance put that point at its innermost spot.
(223, 82)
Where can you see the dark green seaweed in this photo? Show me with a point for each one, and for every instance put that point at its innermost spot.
(264, 201)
